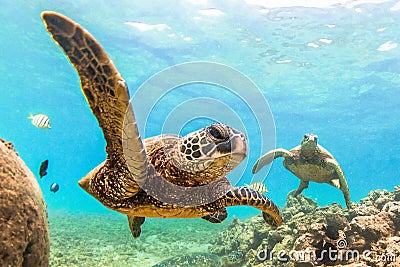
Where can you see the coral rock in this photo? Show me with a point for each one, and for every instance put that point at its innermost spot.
(300, 202)
(393, 209)
(397, 193)
(378, 198)
(24, 239)
(373, 225)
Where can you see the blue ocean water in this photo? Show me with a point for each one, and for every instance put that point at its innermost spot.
(332, 69)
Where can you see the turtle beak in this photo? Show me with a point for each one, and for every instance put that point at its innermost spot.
(239, 149)
(236, 146)
(313, 138)
(309, 138)
(239, 144)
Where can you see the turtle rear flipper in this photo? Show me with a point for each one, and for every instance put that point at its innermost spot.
(108, 97)
(303, 185)
(134, 225)
(216, 217)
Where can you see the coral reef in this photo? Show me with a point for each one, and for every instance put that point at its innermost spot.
(366, 235)
(24, 239)
(105, 240)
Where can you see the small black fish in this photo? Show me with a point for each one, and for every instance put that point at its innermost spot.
(54, 187)
(43, 168)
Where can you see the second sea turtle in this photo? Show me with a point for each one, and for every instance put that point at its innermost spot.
(310, 162)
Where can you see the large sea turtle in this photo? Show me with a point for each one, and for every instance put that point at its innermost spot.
(309, 162)
(137, 176)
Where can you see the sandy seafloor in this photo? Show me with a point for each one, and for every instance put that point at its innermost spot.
(105, 240)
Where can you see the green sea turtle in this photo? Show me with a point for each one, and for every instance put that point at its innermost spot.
(136, 174)
(309, 162)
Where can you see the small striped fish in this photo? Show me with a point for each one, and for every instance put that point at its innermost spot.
(258, 186)
(40, 120)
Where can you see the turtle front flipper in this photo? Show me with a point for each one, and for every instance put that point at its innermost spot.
(108, 97)
(134, 225)
(269, 157)
(342, 181)
(216, 217)
(244, 196)
(335, 183)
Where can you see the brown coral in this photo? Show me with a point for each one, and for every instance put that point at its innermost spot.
(24, 239)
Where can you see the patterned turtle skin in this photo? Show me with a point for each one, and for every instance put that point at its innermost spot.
(311, 163)
(129, 180)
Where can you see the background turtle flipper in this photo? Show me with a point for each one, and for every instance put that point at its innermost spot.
(335, 183)
(342, 182)
(107, 95)
(303, 185)
(269, 157)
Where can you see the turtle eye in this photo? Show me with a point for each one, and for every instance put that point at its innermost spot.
(305, 137)
(216, 133)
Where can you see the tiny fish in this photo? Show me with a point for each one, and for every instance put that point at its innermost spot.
(54, 187)
(43, 168)
(41, 121)
(258, 186)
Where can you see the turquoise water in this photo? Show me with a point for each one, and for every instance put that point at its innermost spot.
(333, 70)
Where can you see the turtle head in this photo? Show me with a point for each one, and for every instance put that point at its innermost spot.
(217, 146)
(309, 143)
